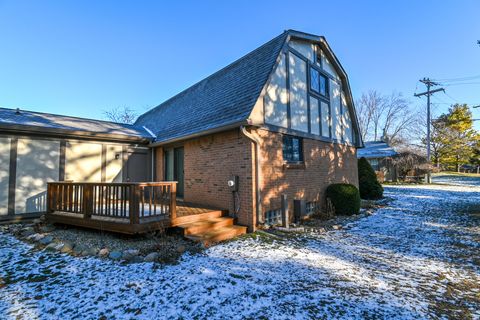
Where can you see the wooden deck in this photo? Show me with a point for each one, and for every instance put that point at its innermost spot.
(128, 208)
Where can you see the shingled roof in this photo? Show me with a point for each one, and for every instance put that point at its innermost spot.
(47, 123)
(376, 149)
(225, 98)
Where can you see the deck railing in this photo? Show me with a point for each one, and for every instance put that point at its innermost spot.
(129, 201)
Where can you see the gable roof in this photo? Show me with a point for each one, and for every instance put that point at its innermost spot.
(226, 99)
(222, 99)
(47, 123)
(376, 149)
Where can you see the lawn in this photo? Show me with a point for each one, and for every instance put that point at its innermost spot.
(416, 258)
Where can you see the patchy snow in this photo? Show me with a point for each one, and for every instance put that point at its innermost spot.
(416, 258)
(457, 179)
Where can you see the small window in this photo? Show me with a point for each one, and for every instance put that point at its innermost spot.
(292, 149)
(318, 82)
(314, 80)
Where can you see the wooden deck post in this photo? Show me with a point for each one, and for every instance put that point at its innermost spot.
(173, 201)
(134, 204)
(49, 198)
(88, 201)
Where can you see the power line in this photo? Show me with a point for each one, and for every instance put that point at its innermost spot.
(460, 84)
(429, 83)
(458, 79)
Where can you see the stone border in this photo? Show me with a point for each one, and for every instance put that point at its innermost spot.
(38, 233)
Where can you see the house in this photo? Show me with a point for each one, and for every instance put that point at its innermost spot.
(278, 121)
(36, 148)
(281, 119)
(380, 155)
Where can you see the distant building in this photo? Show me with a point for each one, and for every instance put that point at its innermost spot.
(380, 156)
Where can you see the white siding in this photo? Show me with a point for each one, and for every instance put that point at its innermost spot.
(83, 162)
(37, 164)
(4, 174)
(346, 120)
(276, 97)
(298, 93)
(335, 104)
(328, 66)
(314, 116)
(113, 170)
(304, 47)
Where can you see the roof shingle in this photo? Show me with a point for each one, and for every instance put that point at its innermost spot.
(28, 120)
(224, 98)
(376, 149)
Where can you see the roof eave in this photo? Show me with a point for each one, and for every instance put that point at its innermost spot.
(16, 129)
(199, 134)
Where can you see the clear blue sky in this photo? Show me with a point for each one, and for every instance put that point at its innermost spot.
(83, 57)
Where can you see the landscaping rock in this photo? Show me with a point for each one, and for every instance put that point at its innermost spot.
(104, 252)
(67, 247)
(79, 248)
(115, 255)
(47, 228)
(181, 249)
(42, 218)
(52, 246)
(46, 240)
(130, 254)
(336, 227)
(27, 232)
(90, 252)
(137, 259)
(37, 221)
(37, 237)
(151, 257)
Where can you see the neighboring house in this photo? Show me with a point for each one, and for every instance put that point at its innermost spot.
(36, 148)
(380, 155)
(281, 120)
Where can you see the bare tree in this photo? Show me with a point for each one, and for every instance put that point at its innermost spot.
(368, 106)
(397, 119)
(121, 115)
(385, 117)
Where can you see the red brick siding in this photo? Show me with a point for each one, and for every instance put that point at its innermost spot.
(325, 163)
(211, 160)
(208, 164)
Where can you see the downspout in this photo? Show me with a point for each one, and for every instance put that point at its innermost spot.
(258, 198)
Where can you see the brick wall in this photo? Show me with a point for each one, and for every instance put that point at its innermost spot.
(208, 164)
(211, 160)
(325, 163)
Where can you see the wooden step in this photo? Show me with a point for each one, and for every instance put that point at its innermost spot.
(221, 234)
(198, 217)
(206, 225)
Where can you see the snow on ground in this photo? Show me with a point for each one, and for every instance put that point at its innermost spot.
(417, 258)
(457, 179)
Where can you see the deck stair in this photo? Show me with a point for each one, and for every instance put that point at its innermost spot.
(209, 228)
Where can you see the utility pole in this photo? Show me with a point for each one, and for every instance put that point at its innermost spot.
(428, 93)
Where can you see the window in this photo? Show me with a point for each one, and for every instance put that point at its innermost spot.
(298, 93)
(292, 149)
(314, 116)
(318, 82)
(273, 217)
(374, 163)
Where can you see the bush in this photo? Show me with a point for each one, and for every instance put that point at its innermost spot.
(344, 197)
(370, 188)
